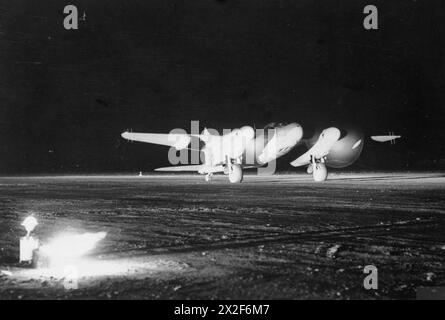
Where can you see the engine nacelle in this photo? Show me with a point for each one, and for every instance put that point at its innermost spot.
(345, 151)
(234, 143)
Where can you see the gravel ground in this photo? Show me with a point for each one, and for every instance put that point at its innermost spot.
(277, 237)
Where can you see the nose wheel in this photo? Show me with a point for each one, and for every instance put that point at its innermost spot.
(318, 169)
(235, 174)
(320, 172)
(208, 177)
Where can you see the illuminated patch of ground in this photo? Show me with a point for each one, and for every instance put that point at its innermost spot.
(272, 237)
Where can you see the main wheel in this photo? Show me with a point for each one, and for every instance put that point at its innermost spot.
(208, 177)
(320, 172)
(236, 174)
(309, 169)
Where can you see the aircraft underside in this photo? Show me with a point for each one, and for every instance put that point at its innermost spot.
(246, 148)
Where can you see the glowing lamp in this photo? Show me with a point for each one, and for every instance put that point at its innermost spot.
(28, 243)
(29, 223)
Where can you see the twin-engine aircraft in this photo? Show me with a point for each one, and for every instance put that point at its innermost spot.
(245, 148)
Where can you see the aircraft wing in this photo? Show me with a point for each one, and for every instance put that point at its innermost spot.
(181, 168)
(321, 148)
(302, 160)
(201, 168)
(390, 137)
(177, 140)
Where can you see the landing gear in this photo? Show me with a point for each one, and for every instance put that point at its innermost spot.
(235, 173)
(318, 169)
(320, 172)
(234, 170)
(208, 177)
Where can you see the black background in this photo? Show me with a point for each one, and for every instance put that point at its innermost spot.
(66, 95)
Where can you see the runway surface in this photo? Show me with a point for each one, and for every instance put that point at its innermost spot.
(272, 237)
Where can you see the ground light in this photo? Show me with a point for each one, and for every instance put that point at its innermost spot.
(62, 255)
(68, 248)
(28, 243)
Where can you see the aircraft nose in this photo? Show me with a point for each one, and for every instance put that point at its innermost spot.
(295, 131)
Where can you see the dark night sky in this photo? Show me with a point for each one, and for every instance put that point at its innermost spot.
(154, 65)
